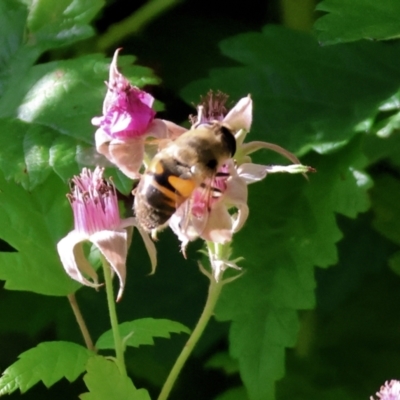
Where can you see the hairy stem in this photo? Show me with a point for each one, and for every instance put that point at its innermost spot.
(81, 322)
(119, 350)
(214, 291)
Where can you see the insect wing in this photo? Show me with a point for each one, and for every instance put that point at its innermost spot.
(88, 156)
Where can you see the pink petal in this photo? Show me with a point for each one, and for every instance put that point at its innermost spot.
(146, 98)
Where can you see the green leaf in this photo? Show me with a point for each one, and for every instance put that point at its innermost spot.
(57, 24)
(141, 331)
(66, 95)
(30, 320)
(31, 30)
(56, 114)
(347, 21)
(105, 382)
(394, 263)
(385, 203)
(385, 200)
(32, 223)
(291, 229)
(305, 96)
(48, 362)
(12, 24)
(223, 361)
(233, 394)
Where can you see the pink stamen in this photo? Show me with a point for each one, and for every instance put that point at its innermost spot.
(94, 202)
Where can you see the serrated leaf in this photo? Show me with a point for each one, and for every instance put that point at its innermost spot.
(304, 95)
(142, 331)
(347, 21)
(32, 223)
(48, 362)
(54, 24)
(292, 229)
(36, 26)
(56, 101)
(66, 95)
(105, 382)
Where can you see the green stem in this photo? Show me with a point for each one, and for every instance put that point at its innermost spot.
(81, 322)
(213, 294)
(132, 24)
(119, 350)
(298, 14)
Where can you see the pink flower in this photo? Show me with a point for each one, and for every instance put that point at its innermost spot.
(218, 208)
(96, 219)
(127, 111)
(209, 216)
(128, 119)
(389, 391)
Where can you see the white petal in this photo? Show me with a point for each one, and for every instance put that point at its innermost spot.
(158, 129)
(241, 115)
(174, 130)
(251, 147)
(102, 141)
(236, 191)
(240, 218)
(150, 247)
(113, 246)
(251, 173)
(219, 225)
(128, 155)
(181, 226)
(73, 259)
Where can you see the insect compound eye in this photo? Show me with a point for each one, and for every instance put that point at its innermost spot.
(212, 164)
(229, 139)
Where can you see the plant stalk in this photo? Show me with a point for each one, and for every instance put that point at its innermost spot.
(81, 322)
(132, 24)
(119, 350)
(213, 295)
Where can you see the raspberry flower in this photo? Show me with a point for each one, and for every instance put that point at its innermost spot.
(218, 207)
(96, 220)
(211, 217)
(128, 119)
(389, 391)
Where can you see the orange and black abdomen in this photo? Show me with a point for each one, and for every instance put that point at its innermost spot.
(165, 185)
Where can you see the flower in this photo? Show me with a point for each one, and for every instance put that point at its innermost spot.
(96, 219)
(210, 218)
(210, 215)
(128, 119)
(389, 391)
